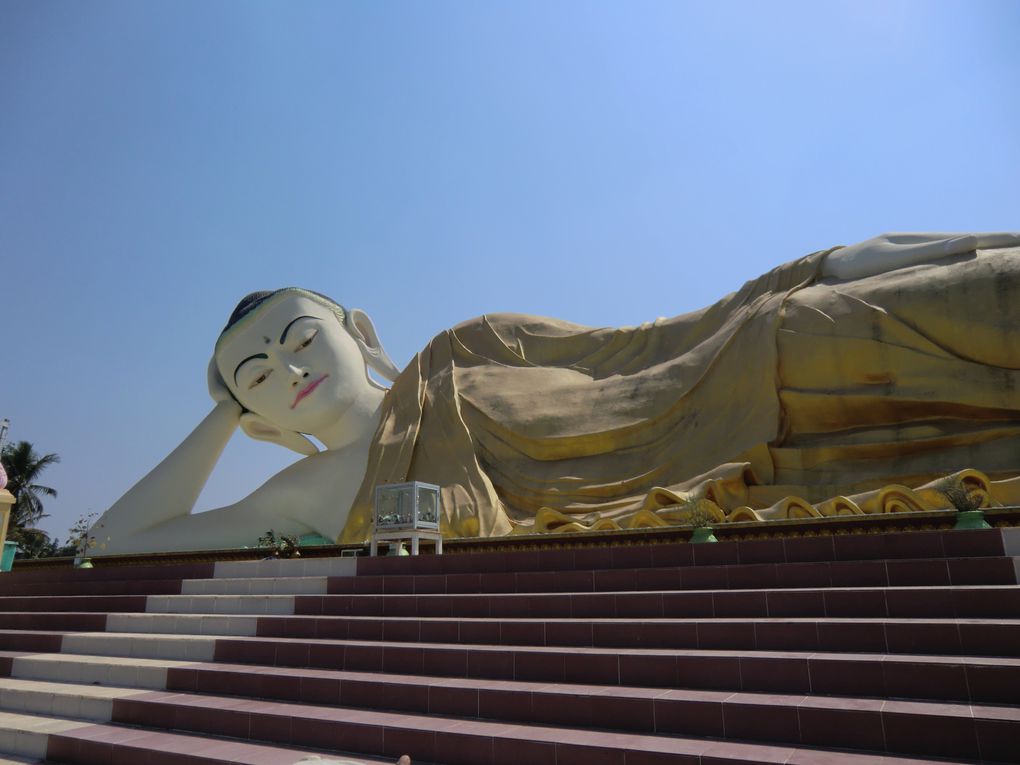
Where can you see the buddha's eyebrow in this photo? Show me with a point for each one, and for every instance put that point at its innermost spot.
(286, 329)
(238, 367)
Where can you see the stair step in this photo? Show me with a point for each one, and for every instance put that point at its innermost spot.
(61, 699)
(76, 742)
(25, 735)
(735, 576)
(963, 602)
(992, 680)
(147, 674)
(72, 603)
(905, 727)
(965, 679)
(837, 547)
(133, 587)
(475, 741)
(124, 574)
(862, 722)
(904, 602)
(976, 637)
(960, 601)
(285, 568)
(290, 585)
(485, 744)
(914, 678)
(40, 621)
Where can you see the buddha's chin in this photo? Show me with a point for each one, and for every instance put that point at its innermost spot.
(317, 420)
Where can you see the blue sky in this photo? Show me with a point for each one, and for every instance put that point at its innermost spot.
(602, 162)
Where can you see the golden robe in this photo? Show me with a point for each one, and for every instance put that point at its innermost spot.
(793, 396)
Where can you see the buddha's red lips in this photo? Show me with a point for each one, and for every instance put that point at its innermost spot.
(306, 390)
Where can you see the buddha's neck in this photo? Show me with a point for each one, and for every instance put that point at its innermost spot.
(357, 426)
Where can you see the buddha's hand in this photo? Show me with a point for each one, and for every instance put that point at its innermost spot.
(891, 251)
(218, 389)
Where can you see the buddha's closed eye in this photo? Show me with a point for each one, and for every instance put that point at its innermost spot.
(260, 379)
(307, 341)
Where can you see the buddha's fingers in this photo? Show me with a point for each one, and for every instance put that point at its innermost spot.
(992, 241)
(933, 246)
(903, 250)
(916, 238)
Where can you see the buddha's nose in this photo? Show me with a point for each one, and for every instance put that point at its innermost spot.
(297, 374)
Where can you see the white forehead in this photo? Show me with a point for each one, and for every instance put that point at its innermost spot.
(248, 336)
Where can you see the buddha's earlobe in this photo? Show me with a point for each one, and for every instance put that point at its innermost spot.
(363, 331)
(261, 429)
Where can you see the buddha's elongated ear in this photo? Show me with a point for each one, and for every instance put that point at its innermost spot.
(363, 331)
(261, 429)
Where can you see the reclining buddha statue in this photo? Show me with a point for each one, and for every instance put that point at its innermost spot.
(844, 382)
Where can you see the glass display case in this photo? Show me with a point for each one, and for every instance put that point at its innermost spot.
(407, 506)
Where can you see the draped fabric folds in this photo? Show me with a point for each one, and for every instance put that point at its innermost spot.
(793, 397)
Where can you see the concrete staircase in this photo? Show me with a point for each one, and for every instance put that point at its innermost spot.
(870, 648)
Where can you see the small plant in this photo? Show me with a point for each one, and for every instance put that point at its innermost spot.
(82, 541)
(282, 546)
(699, 520)
(953, 490)
(698, 517)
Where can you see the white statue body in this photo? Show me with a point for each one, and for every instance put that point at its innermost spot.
(296, 363)
(297, 367)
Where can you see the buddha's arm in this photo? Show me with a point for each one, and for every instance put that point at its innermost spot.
(891, 251)
(171, 488)
(230, 527)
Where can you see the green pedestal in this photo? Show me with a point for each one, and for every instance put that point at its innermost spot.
(971, 519)
(703, 534)
(7, 559)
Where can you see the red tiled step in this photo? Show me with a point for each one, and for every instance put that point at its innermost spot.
(676, 668)
(34, 641)
(977, 637)
(19, 576)
(55, 621)
(976, 680)
(104, 603)
(95, 744)
(838, 547)
(993, 601)
(899, 727)
(865, 573)
(101, 587)
(969, 637)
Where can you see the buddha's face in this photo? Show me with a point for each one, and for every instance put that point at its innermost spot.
(293, 362)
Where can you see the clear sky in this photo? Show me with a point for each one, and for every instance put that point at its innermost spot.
(602, 162)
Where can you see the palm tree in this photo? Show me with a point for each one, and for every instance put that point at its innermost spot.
(23, 468)
(35, 543)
